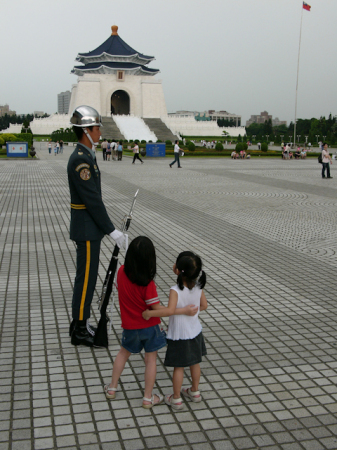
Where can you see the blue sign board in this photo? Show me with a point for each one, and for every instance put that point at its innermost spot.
(155, 150)
(17, 149)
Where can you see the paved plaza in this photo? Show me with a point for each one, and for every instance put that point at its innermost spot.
(266, 232)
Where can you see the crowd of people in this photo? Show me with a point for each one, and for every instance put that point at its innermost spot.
(58, 147)
(112, 150)
(287, 153)
(242, 154)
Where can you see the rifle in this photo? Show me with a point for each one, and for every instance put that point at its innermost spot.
(101, 335)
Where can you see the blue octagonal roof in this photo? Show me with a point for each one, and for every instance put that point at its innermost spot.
(114, 46)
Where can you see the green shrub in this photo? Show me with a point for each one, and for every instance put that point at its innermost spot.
(238, 147)
(66, 135)
(191, 146)
(264, 147)
(159, 140)
(218, 146)
(2, 141)
(244, 146)
(7, 137)
(168, 142)
(25, 137)
(143, 142)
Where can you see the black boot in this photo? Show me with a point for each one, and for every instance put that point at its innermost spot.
(92, 330)
(81, 335)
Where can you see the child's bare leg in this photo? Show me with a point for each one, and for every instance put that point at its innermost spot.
(150, 375)
(178, 378)
(195, 375)
(118, 367)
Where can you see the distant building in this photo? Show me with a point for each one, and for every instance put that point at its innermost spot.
(5, 110)
(210, 115)
(39, 113)
(63, 102)
(263, 117)
(276, 122)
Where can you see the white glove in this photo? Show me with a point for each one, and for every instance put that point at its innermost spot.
(118, 237)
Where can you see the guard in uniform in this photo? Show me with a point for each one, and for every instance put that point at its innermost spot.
(89, 220)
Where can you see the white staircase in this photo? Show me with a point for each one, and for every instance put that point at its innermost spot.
(134, 128)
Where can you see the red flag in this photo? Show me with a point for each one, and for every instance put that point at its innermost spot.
(306, 6)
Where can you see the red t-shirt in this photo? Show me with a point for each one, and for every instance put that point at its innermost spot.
(133, 300)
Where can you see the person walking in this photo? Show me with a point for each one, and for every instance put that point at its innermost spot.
(49, 146)
(108, 150)
(326, 158)
(120, 150)
(136, 153)
(177, 149)
(61, 146)
(113, 150)
(104, 146)
(89, 221)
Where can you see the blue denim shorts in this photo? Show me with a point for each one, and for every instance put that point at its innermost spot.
(150, 339)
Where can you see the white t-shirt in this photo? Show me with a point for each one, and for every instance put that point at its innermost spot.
(326, 156)
(136, 149)
(176, 148)
(185, 327)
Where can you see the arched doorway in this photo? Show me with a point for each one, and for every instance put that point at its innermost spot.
(120, 103)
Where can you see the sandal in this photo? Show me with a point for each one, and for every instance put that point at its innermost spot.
(194, 396)
(107, 389)
(153, 403)
(175, 403)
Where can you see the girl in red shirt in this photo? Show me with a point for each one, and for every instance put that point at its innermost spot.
(136, 293)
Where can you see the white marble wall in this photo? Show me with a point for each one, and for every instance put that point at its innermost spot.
(146, 94)
(188, 126)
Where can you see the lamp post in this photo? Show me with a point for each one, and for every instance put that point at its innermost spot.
(306, 140)
(253, 137)
(298, 138)
(317, 136)
(267, 136)
(324, 138)
(281, 136)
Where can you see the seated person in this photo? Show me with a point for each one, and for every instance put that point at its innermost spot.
(290, 155)
(233, 154)
(303, 154)
(297, 153)
(248, 155)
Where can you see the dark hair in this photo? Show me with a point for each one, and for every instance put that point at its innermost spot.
(324, 143)
(140, 261)
(190, 267)
(79, 132)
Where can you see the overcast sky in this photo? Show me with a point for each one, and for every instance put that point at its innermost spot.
(234, 55)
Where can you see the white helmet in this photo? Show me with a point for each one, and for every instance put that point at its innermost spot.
(85, 116)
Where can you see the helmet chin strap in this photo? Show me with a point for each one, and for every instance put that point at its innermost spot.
(93, 144)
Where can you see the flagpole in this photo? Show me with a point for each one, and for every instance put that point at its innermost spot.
(298, 66)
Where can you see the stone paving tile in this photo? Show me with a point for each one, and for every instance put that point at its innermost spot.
(264, 229)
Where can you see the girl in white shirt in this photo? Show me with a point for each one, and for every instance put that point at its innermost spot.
(185, 342)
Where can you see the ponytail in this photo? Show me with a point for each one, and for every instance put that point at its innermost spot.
(180, 281)
(202, 280)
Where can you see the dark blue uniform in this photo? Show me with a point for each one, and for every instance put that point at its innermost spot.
(89, 223)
